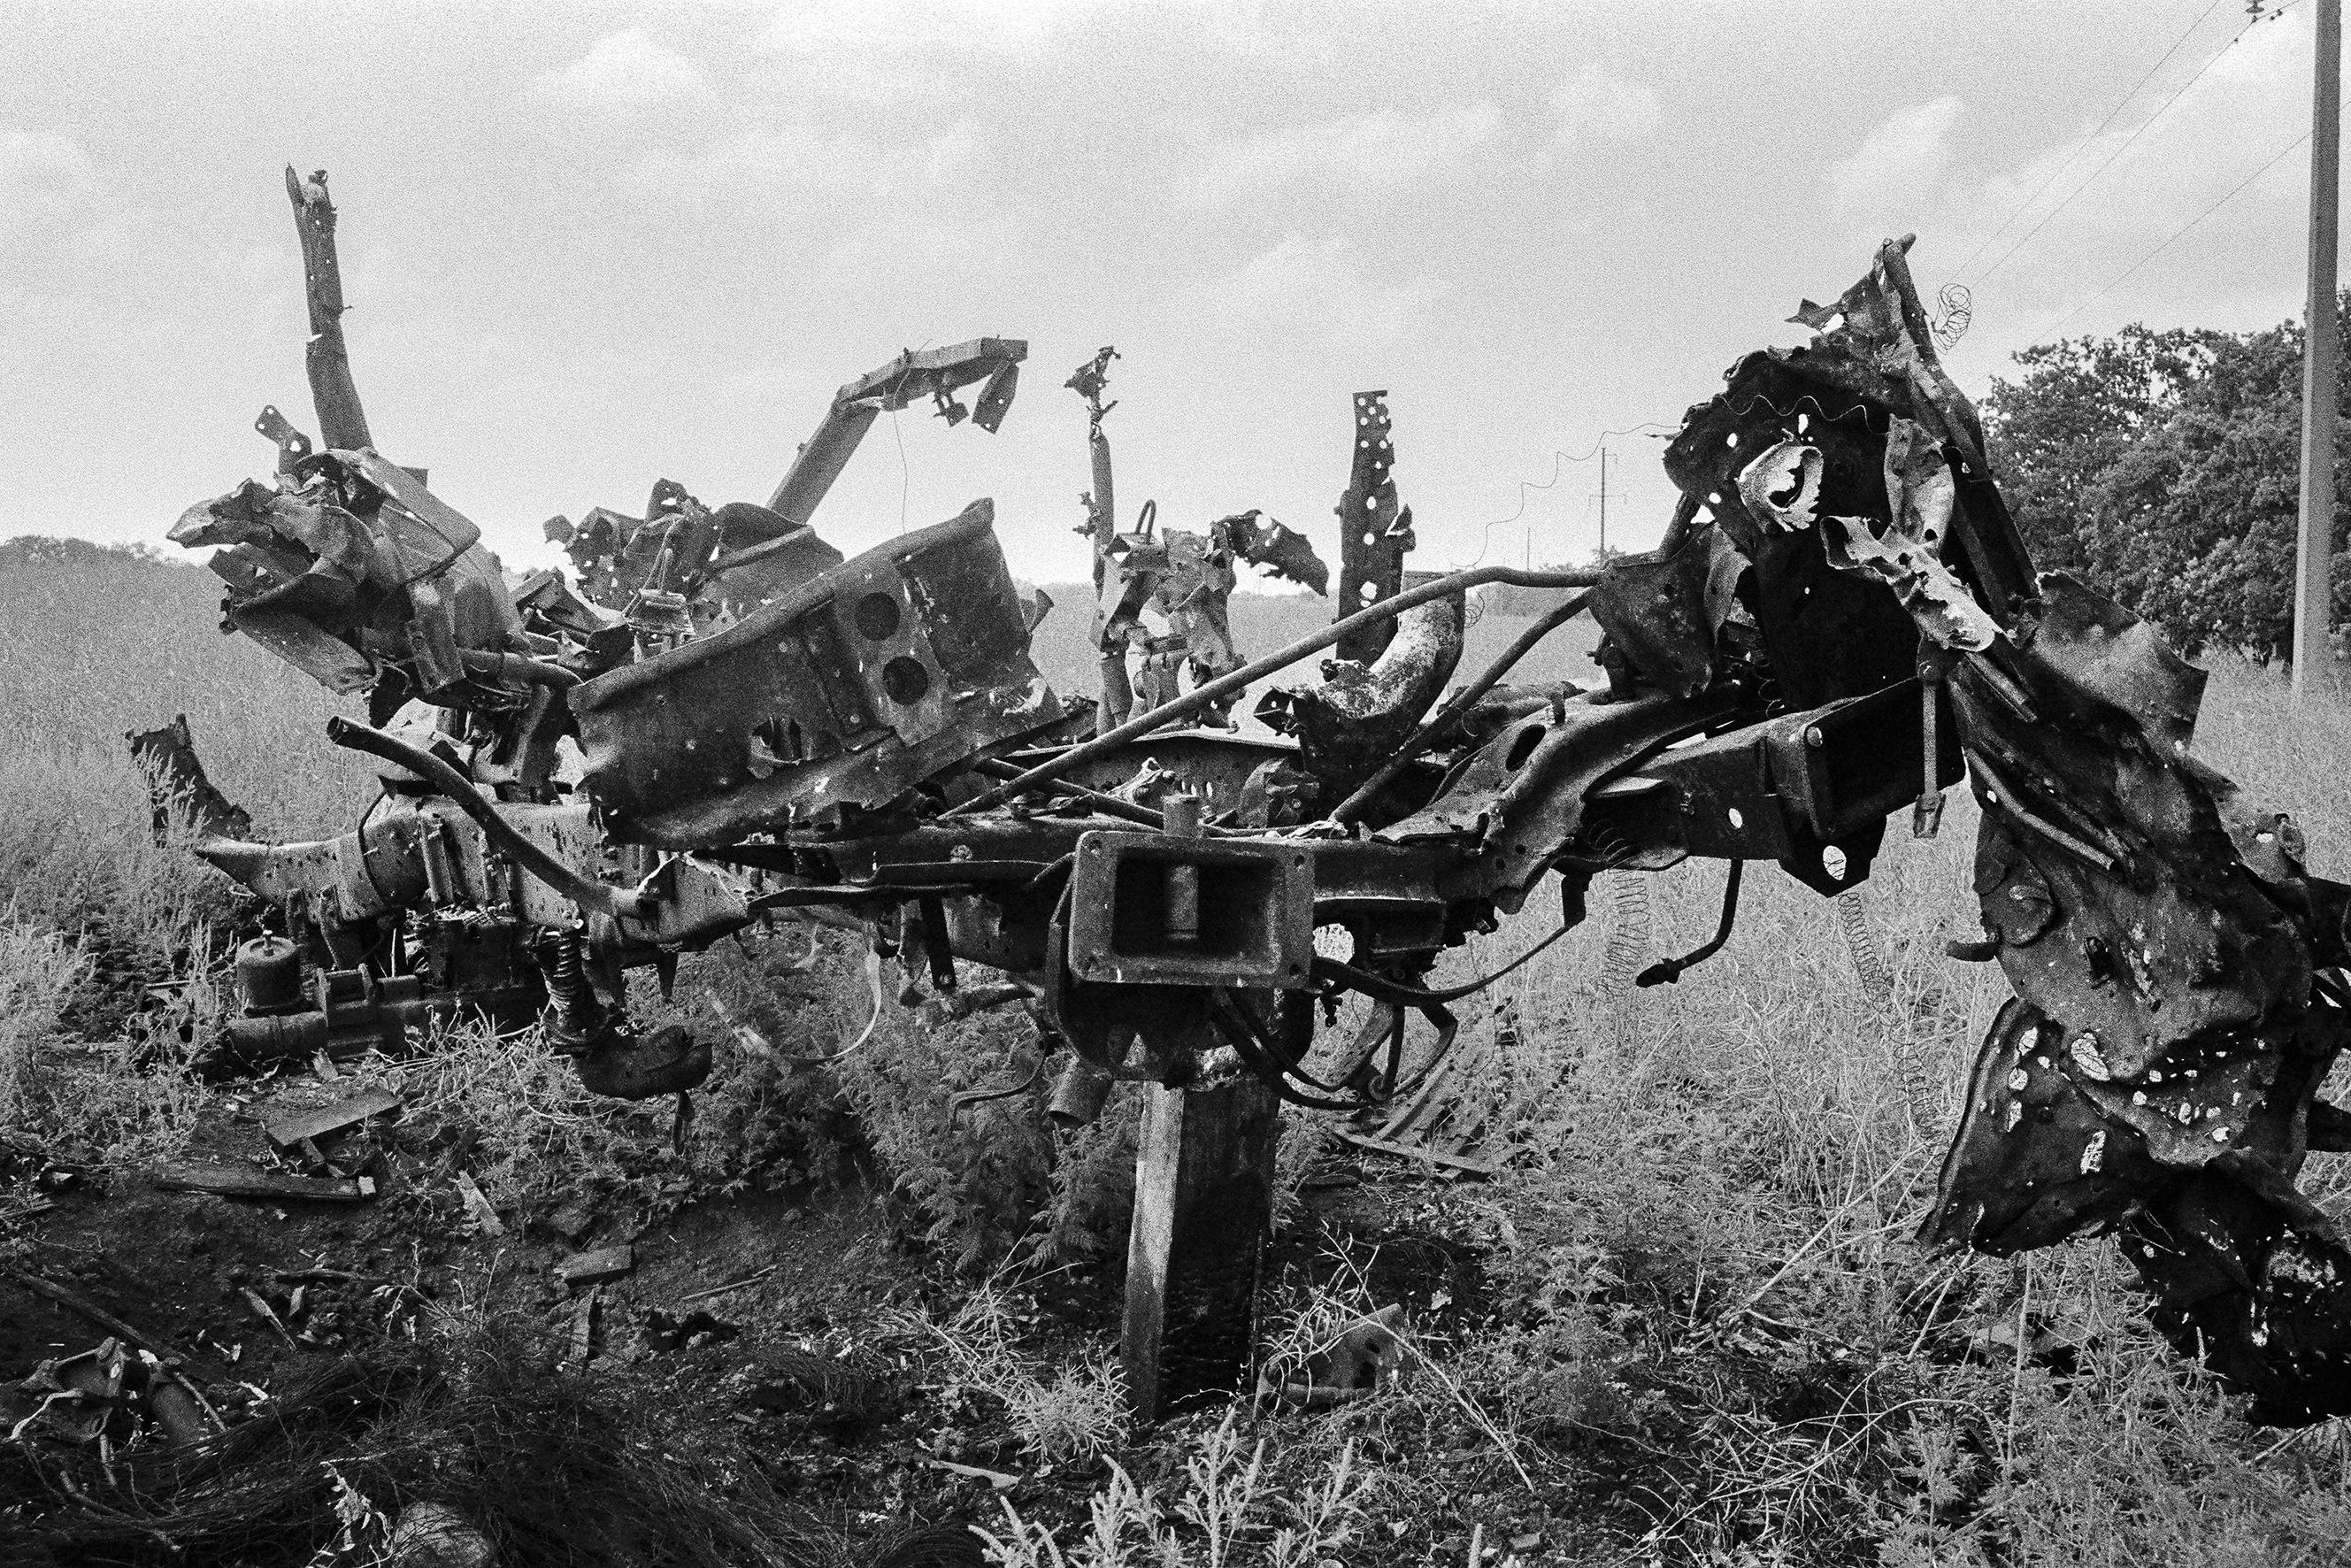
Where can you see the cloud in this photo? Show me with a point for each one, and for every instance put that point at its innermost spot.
(1311, 289)
(1904, 159)
(40, 167)
(802, 159)
(50, 193)
(894, 51)
(627, 70)
(1383, 152)
(1594, 107)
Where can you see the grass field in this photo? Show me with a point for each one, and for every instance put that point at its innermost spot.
(1701, 1331)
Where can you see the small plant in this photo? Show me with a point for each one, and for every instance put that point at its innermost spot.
(1070, 1410)
(1227, 1516)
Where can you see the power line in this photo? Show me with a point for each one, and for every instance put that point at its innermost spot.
(2129, 141)
(1559, 459)
(2181, 231)
(2079, 147)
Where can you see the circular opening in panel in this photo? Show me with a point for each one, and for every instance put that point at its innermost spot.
(905, 680)
(1833, 861)
(876, 616)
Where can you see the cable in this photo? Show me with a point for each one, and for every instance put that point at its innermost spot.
(906, 474)
(1558, 460)
(2120, 104)
(2134, 136)
(2181, 231)
(1394, 992)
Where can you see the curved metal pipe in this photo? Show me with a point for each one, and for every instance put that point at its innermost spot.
(1460, 703)
(588, 893)
(1351, 723)
(1201, 696)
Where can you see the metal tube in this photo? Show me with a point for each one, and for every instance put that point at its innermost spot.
(1460, 703)
(531, 672)
(1107, 805)
(602, 897)
(1201, 696)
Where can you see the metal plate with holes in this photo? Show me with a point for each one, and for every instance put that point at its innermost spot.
(1254, 901)
(846, 693)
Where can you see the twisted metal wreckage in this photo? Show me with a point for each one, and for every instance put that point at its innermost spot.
(1840, 622)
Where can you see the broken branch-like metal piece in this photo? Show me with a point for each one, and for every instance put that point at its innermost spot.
(341, 422)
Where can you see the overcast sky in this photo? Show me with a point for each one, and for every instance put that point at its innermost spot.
(590, 246)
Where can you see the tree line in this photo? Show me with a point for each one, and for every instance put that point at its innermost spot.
(2162, 467)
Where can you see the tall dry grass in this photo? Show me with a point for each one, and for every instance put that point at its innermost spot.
(1701, 1260)
(1704, 1264)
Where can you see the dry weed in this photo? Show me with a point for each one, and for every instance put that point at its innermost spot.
(1070, 1410)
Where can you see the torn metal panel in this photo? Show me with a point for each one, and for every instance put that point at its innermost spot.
(836, 700)
(1663, 613)
(1905, 552)
(2164, 941)
(358, 575)
(1264, 541)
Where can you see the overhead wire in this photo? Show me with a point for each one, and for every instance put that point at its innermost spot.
(1558, 461)
(2177, 93)
(2079, 147)
(2181, 232)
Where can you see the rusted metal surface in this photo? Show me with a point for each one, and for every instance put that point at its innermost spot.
(1374, 531)
(824, 709)
(1842, 622)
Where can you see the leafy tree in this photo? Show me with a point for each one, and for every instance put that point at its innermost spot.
(2080, 405)
(2164, 468)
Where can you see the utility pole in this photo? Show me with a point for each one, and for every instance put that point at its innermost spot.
(2313, 594)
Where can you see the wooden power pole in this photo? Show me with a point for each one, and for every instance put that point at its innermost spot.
(2313, 594)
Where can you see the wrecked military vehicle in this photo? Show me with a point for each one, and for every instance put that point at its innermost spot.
(1840, 623)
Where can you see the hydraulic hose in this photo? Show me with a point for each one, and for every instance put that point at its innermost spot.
(602, 897)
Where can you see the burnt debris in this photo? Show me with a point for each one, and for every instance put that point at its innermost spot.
(1841, 623)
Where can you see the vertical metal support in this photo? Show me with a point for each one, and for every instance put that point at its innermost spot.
(1181, 815)
(341, 422)
(1926, 815)
(1203, 1207)
(1374, 534)
(2313, 592)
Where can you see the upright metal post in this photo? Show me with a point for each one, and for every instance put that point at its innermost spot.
(2313, 592)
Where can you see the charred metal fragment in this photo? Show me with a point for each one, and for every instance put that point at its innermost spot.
(1374, 534)
(1354, 721)
(824, 709)
(341, 422)
(918, 374)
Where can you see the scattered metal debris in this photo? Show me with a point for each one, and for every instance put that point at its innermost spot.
(243, 1181)
(597, 1267)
